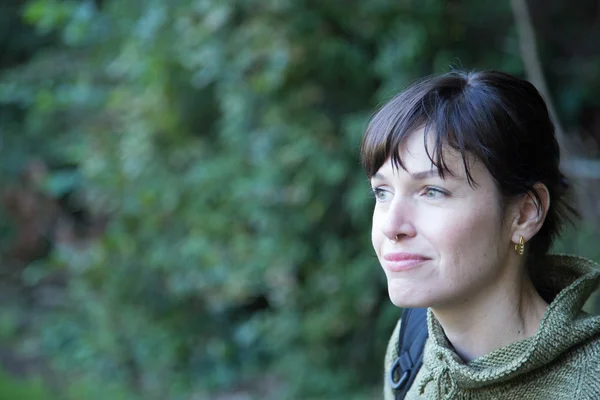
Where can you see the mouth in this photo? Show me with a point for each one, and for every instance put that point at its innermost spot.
(399, 262)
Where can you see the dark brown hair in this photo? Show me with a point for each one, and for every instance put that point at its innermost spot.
(501, 120)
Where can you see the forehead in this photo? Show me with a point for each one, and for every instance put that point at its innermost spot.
(418, 153)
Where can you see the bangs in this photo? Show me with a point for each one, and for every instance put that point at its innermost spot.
(443, 108)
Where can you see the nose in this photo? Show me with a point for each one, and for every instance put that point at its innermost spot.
(399, 220)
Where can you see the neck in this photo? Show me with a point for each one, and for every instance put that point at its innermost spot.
(502, 314)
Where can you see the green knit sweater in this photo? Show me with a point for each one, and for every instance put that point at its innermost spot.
(561, 361)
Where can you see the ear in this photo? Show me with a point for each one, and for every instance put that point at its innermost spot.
(531, 213)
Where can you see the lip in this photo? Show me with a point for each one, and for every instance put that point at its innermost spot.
(398, 262)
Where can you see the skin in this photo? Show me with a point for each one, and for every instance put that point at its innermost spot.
(469, 275)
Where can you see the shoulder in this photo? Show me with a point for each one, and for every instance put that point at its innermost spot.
(413, 328)
(390, 355)
(575, 372)
(392, 347)
(588, 368)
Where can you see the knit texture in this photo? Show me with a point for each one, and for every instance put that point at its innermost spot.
(561, 361)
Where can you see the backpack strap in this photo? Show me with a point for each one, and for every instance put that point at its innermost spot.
(411, 342)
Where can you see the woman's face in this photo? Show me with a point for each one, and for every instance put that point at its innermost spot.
(440, 241)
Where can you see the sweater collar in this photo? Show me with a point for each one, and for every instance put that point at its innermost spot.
(564, 325)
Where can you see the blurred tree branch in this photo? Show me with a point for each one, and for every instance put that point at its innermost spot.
(573, 165)
(531, 60)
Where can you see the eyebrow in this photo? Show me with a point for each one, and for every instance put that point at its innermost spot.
(416, 176)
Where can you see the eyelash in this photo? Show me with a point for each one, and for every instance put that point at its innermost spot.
(377, 192)
(436, 190)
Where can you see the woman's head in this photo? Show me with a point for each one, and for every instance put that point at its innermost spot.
(486, 128)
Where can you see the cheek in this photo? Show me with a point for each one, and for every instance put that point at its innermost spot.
(469, 240)
(376, 234)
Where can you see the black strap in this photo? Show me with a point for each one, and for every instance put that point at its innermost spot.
(411, 341)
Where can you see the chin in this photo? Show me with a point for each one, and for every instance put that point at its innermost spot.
(408, 293)
(406, 300)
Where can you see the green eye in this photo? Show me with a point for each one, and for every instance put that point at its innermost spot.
(380, 194)
(433, 193)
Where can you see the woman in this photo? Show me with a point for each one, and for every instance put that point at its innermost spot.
(464, 168)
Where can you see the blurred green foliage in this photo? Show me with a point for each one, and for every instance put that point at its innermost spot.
(11, 389)
(213, 232)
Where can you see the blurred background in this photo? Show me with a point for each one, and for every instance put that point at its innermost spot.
(183, 212)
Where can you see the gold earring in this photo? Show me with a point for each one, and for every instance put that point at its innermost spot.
(520, 248)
